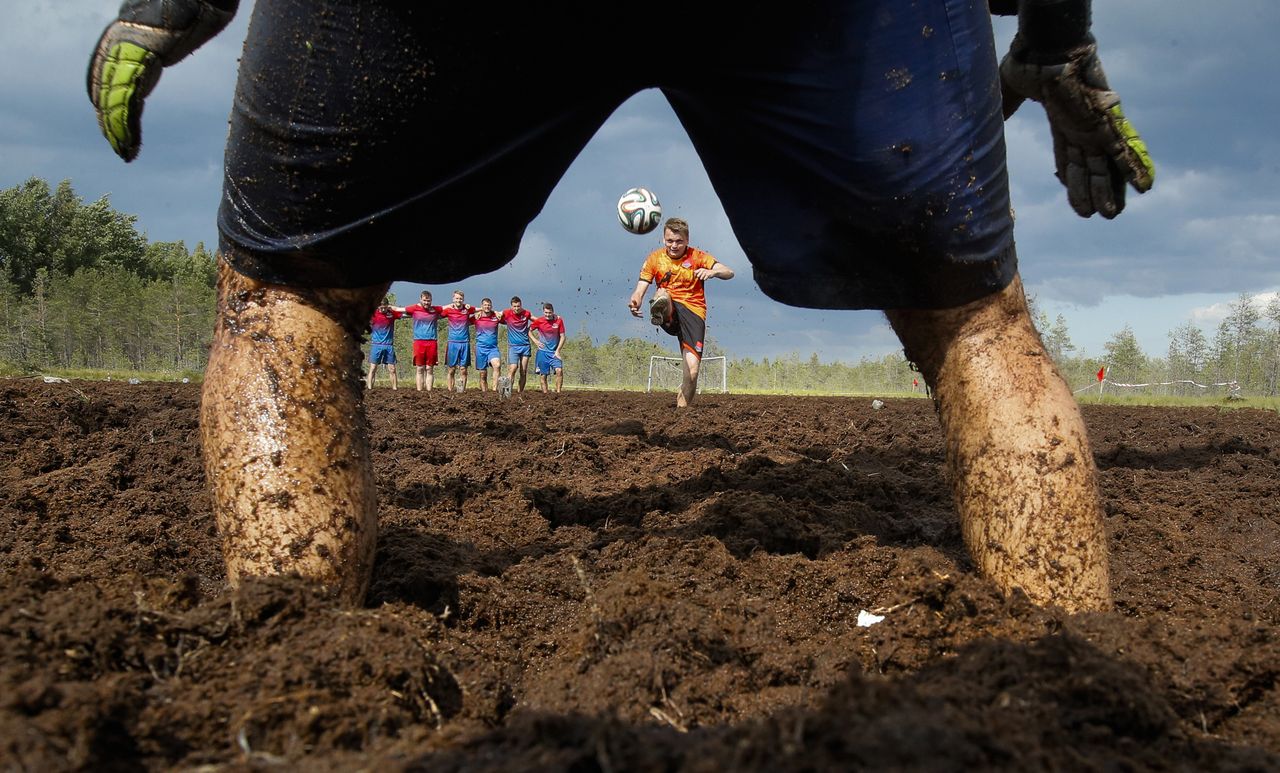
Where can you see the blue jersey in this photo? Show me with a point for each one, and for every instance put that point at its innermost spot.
(486, 329)
(550, 331)
(459, 321)
(383, 328)
(517, 326)
(424, 321)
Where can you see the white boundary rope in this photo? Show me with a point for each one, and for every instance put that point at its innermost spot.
(1233, 387)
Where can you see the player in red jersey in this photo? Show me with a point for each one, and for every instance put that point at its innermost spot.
(382, 342)
(425, 349)
(518, 321)
(459, 317)
(548, 336)
(488, 357)
(679, 305)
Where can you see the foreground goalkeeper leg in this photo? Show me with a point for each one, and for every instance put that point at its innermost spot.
(1018, 458)
(285, 439)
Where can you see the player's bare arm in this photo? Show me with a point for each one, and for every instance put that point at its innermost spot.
(637, 297)
(718, 271)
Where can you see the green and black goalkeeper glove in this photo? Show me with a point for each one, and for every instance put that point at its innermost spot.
(1096, 150)
(148, 36)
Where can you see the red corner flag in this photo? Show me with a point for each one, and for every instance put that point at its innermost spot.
(1102, 372)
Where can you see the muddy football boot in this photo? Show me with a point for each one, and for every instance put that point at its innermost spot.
(659, 308)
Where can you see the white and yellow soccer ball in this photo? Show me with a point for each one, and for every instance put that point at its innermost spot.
(639, 211)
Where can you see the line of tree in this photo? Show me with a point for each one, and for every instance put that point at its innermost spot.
(1243, 353)
(82, 288)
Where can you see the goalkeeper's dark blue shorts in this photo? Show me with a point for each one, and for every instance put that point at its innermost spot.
(857, 145)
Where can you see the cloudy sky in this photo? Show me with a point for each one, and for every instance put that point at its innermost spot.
(1198, 79)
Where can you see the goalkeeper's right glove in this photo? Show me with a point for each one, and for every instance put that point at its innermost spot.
(1095, 148)
(148, 36)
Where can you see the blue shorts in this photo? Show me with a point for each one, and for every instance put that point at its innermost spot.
(382, 354)
(458, 354)
(515, 353)
(546, 362)
(857, 147)
(486, 354)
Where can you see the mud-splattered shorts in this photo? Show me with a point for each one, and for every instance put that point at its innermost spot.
(857, 145)
(688, 328)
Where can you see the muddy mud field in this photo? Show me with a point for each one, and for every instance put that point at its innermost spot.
(592, 582)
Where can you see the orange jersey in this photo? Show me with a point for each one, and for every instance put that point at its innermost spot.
(677, 278)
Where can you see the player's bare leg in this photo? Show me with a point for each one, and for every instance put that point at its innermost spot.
(451, 370)
(368, 378)
(524, 372)
(418, 376)
(689, 380)
(484, 379)
(392, 368)
(1018, 458)
(285, 440)
(429, 377)
(464, 377)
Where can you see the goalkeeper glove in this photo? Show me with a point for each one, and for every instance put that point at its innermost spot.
(1096, 150)
(148, 36)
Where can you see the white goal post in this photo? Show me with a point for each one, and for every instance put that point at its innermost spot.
(667, 372)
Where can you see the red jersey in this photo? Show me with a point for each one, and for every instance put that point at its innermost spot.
(459, 320)
(424, 321)
(549, 331)
(517, 326)
(382, 327)
(677, 278)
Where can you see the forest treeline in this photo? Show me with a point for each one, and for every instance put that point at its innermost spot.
(82, 289)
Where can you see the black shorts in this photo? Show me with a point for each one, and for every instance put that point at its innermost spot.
(688, 328)
(857, 147)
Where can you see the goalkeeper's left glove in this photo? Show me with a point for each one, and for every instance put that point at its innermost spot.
(1096, 150)
(148, 36)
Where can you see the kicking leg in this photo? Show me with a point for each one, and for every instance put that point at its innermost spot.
(1018, 458)
(689, 383)
(285, 440)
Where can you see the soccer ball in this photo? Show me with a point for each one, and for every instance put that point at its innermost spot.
(639, 211)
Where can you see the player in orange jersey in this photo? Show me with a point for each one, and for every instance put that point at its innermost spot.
(679, 305)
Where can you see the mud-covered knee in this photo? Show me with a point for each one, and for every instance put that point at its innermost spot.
(350, 308)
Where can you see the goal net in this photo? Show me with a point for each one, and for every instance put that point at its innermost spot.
(665, 374)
